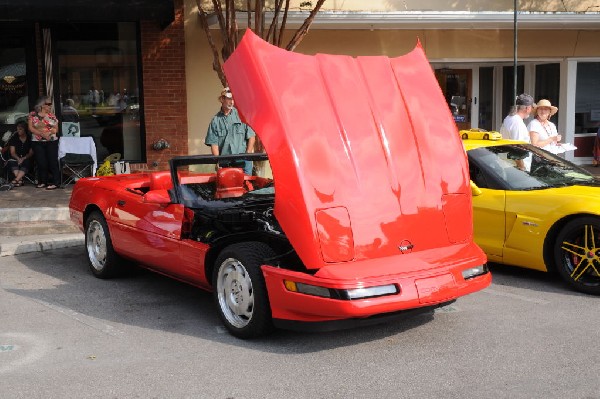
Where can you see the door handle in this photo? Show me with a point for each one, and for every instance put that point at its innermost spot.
(121, 202)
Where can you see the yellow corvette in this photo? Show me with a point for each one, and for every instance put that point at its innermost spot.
(535, 210)
(479, 134)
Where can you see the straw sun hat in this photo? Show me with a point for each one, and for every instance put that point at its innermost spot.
(547, 104)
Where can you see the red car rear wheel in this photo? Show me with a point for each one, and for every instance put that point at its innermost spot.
(103, 261)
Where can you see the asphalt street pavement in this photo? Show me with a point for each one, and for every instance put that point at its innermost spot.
(65, 334)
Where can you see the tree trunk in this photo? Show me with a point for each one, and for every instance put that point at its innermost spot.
(217, 67)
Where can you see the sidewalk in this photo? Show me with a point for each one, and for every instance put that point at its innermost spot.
(33, 220)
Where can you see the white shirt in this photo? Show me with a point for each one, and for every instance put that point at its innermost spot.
(513, 128)
(545, 133)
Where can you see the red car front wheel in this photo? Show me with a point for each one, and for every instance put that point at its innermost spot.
(239, 289)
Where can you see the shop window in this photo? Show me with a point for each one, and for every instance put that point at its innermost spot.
(587, 107)
(587, 100)
(14, 104)
(98, 76)
(508, 89)
(16, 64)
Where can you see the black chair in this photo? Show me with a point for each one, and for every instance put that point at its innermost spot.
(76, 158)
(75, 166)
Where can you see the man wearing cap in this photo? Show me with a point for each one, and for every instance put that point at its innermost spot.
(227, 134)
(513, 127)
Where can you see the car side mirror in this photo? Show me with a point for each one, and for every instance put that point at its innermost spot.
(475, 191)
(160, 197)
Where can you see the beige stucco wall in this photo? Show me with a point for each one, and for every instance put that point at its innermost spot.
(203, 86)
(447, 46)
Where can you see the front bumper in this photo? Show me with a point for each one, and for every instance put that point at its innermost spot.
(425, 285)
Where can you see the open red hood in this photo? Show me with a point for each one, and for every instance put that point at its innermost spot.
(366, 158)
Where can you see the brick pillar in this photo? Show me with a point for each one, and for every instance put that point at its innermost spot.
(164, 91)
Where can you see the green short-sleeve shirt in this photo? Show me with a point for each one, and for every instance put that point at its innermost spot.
(229, 133)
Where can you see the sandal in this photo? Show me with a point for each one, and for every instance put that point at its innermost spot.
(51, 187)
(19, 183)
(41, 185)
(14, 182)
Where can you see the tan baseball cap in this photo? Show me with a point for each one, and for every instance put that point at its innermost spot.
(226, 93)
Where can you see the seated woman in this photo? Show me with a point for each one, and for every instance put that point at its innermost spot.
(20, 154)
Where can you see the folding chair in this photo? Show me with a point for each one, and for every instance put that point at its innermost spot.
(75, 166)
(77, 158)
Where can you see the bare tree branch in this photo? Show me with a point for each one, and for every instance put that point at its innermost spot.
(217, 67)
(273, 27)
(219, 11)
(232, 33)
(282, 28)
(234, 38)
(303, 30)
(258, 14)
(262, 19)
(249, 10)
(226, 16)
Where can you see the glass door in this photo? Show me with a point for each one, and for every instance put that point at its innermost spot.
(456, 86)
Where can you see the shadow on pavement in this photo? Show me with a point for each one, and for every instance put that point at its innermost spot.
(535, 280)
(149, 300)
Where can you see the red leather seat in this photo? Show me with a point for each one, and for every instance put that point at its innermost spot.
(230, 183)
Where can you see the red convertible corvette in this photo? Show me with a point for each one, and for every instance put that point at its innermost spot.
(368, 213)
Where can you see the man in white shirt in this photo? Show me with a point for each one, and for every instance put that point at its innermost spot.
(513, 127)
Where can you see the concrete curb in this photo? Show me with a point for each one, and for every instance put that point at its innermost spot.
(33, 214)
(39, 243)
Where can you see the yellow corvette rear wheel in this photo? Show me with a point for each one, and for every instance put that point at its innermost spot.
(577, 254)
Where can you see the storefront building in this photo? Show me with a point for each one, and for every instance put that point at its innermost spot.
(470, 47)
(139, 73)
(120, 65)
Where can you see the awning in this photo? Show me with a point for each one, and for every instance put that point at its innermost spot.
(161, 11)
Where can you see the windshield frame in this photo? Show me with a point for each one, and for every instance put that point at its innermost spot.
(539, 170)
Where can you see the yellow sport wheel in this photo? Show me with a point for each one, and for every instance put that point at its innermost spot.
(577, 254)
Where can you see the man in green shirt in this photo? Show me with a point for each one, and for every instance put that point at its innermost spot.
(227, 135)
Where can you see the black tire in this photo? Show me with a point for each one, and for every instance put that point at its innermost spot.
(239, 289)
(103, 260)
(465, 136)
(486, 136)
(577, 254)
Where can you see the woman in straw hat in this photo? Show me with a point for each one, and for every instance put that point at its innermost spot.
(542, 132)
